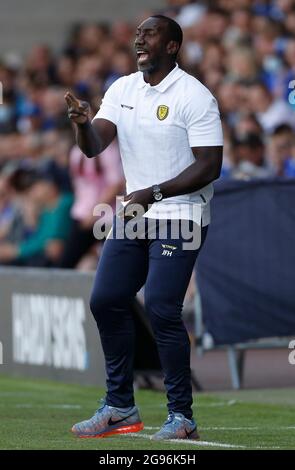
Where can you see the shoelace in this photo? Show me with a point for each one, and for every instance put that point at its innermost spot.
(169, 418)
(102, 405)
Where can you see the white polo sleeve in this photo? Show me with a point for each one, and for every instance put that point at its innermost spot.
(202, 120)
(109, 108)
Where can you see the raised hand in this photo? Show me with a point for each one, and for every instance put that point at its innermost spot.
(78, 111)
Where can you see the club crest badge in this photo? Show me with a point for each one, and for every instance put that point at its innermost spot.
(162, 112)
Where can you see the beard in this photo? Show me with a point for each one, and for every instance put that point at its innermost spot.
(148, 67)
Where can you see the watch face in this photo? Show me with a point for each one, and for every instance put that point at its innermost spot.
(158, 196)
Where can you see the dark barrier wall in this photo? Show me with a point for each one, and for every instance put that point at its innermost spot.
(246, 270)
(46, 328)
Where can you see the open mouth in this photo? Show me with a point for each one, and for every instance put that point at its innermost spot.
(142, 56)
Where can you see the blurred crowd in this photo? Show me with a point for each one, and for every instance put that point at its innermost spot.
(242, 50)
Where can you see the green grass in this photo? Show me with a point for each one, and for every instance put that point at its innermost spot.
(37, 414)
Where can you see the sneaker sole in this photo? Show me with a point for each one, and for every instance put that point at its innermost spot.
(195, 436)
(121, 430)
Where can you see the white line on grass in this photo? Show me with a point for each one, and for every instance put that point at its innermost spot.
(65, 407)
(218, 428)
(201, 443)
(46, 405)
(207, 443)
(229, 428)
(225, 428)
(16, 394)
(143, 406)
(215, 428)
(187, 441)
(24, 405)
(197, 405)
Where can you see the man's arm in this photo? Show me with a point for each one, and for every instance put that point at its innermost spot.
(203, 171)
(92, 138)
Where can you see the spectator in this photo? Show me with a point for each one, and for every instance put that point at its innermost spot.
(280, 150)
(96, 181)
(44, 247)
(19, 180)
(11, 219)
(270, 113)
(40, 65)
(247, 124)
(242, 65)
(250, 154)
(288, 75)
(8, 93)
(228, 95)
(289, 166)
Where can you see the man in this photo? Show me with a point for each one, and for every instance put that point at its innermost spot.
(170, 139)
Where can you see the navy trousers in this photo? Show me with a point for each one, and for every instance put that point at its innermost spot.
(164, 267)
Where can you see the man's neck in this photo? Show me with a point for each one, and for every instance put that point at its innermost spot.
(154, 78)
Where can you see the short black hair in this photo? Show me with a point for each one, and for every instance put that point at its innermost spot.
(282, 129)
(22, 179)
(174, 30)
(250, 140)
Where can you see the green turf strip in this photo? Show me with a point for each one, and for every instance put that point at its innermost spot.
(37, 414)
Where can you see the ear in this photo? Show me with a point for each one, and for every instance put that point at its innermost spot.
(172, 47)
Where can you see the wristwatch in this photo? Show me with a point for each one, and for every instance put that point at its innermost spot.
(157, 195)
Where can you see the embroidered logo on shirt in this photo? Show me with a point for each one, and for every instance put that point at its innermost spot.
(162, 112)
(170, 247)
(126, 106)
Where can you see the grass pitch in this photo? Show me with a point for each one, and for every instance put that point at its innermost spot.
(37, 414)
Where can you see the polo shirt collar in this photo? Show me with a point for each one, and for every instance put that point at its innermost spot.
(165, 83)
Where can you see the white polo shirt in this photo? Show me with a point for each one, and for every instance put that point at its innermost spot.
(156, 127)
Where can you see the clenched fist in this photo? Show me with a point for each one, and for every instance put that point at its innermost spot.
(78, 111)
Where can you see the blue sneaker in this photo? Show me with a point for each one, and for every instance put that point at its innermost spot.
(177, 426)
(109, 420)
